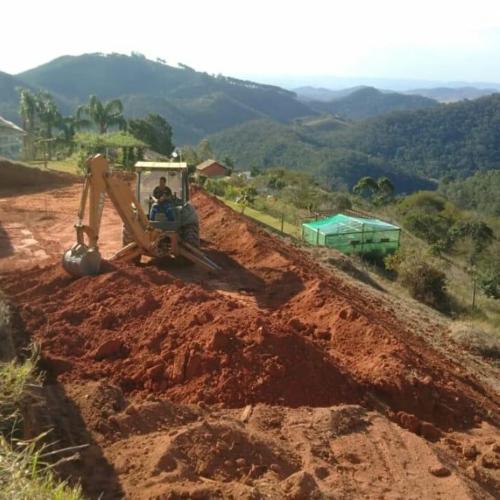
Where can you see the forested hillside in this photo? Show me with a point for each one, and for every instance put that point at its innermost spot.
(447, 140)
(447, 94)
(480, 192)
(453, 139)
(267, 126)
(300, 146)
(194, 103)
(366, 102)
(9, 98)
(320, 94)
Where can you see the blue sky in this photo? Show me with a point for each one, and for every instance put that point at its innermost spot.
(427, 40)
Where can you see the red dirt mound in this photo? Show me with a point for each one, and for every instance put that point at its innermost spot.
(16, 176)
(273, 327)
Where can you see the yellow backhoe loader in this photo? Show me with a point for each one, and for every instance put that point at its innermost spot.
(172, 236)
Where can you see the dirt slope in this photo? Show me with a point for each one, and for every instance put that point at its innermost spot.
(272, 329)
(157, 449)
(16, 176)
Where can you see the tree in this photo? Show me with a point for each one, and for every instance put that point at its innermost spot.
(255, 171)
(104, 115)
(204, 150)
(228, 161)
(155, 131)
(380, 191)
(248, 196)
(49, 117)
(478, 232)
(385, 189)
(67, 131)
(27, 110)
(128, 147)
(366, 187)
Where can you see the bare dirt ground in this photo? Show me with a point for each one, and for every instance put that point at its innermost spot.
(277, 378)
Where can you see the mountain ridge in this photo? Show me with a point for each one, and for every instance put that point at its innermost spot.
(199, 102)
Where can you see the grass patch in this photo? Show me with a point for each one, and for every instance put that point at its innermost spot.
(268, 220)
(24, 474)
(477, 340)
(68, 165)
(16, 381)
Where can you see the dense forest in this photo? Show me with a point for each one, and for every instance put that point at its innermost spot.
(452, 140)
(480, 192)
(267, 144)
(367, 102)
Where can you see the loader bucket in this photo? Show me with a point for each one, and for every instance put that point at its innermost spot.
(80, 260)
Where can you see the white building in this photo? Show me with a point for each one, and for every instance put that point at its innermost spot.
(11, 139)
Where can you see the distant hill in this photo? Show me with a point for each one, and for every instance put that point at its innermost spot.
(367, 102)
(449, 94)
(9, 97)
(447, 140)
(322, 123)
(307, 94)
(301, 146)
(194, 103)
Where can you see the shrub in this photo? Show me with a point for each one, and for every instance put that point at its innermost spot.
(490, 285)
(432, 228)
(214, 187)
(424, 282)
(476, 340)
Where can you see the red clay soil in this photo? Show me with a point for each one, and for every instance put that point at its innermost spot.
(272, 328)
(16, 176)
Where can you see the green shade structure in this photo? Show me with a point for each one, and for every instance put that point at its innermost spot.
(352, 235)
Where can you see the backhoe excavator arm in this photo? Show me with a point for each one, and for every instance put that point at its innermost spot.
(83, 257)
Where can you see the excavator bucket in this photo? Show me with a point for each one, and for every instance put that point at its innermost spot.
(80, 260)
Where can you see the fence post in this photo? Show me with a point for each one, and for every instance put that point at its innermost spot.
(474, 292)
(282, 222)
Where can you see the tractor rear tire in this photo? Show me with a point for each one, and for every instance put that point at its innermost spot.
(190, 233)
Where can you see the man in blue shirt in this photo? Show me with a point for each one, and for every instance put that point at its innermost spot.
(162, 198)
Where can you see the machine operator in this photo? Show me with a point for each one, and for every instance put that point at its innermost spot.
(162, 201)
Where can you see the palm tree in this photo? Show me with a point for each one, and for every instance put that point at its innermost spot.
(104, 115)
(49, 117)
(68, 126)
(27, 110)
(79, 121)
